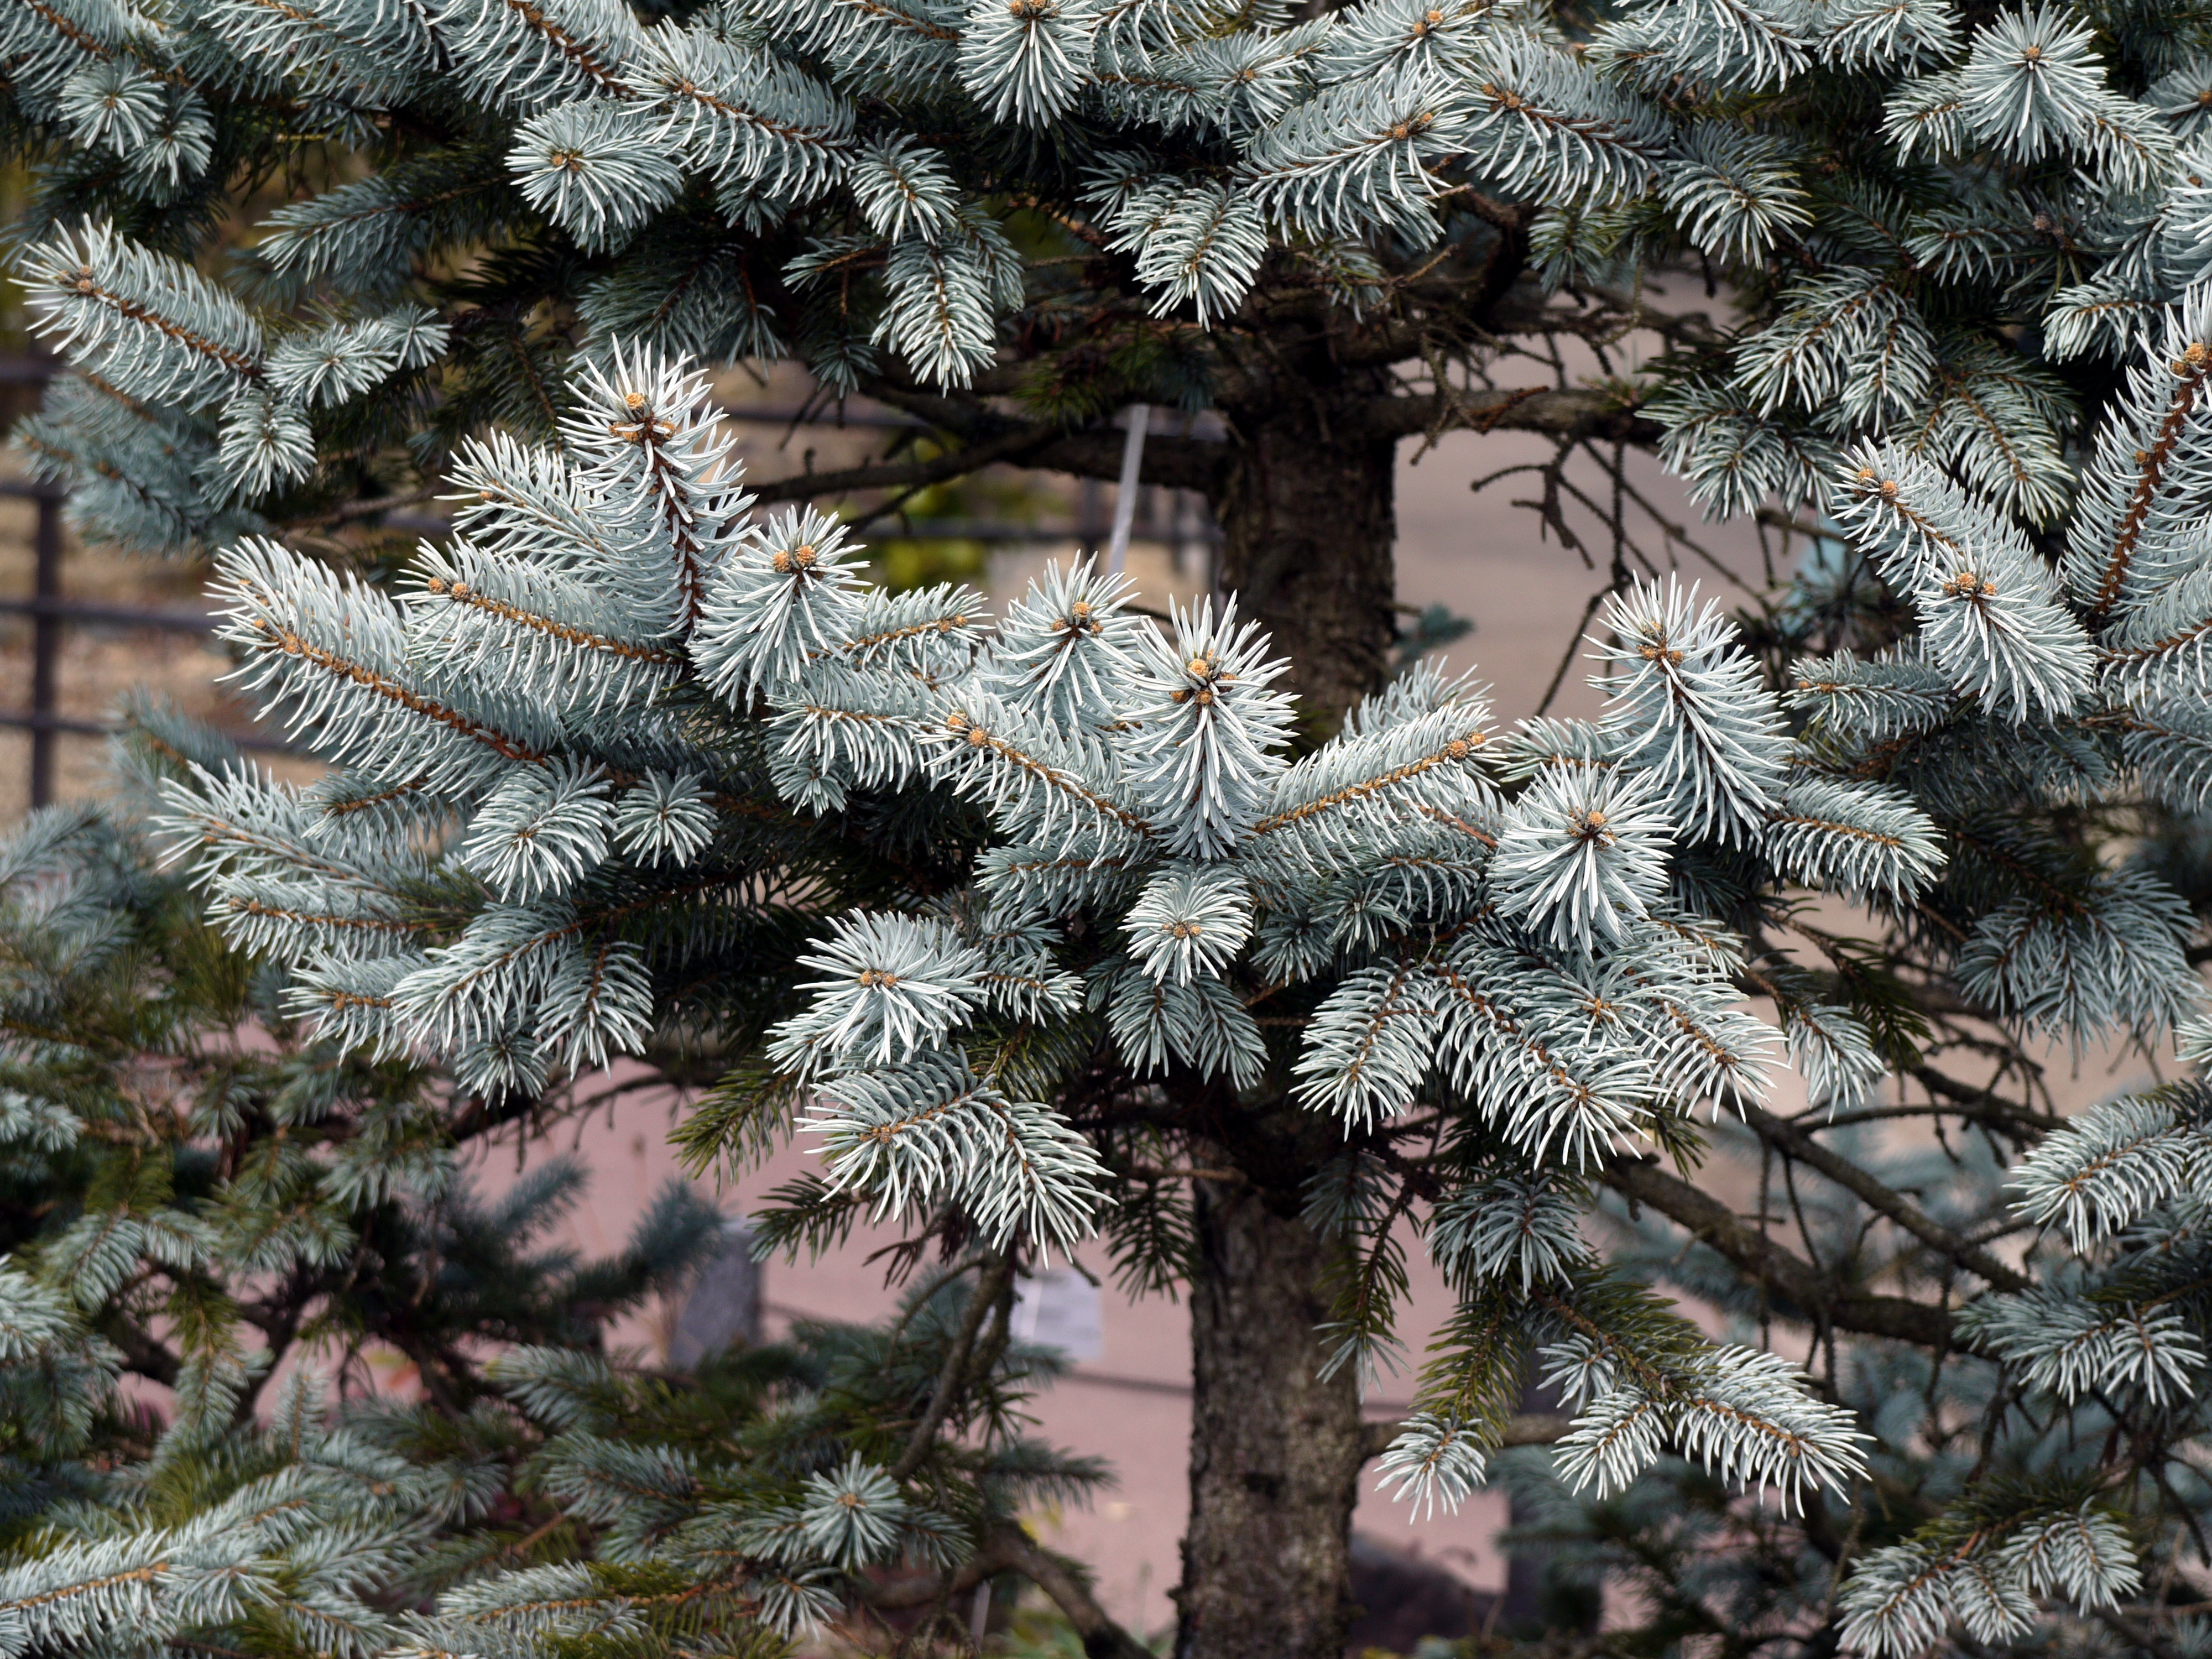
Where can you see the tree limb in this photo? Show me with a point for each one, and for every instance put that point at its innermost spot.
(1175, 462)
(1527, 1429)
(2136, 1634)
(992, 439)
(1014, 446)
(990, 1285)
(1102, 1637)
(141, 1351)
(353, 510)
(1985, 1106)
(1795, 1143)
(1790, 1276)
(921, 1590)
(1538, 408)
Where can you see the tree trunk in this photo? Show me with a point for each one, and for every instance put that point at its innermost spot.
(1274, 1451)
(1305, 508)
(1306, 505)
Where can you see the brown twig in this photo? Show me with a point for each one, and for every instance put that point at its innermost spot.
(998, 1274)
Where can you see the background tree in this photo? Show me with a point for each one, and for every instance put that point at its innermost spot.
(1328, 232)
(197, 1196)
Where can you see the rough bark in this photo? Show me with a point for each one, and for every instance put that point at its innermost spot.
(1275, 1450)
(1305, 499)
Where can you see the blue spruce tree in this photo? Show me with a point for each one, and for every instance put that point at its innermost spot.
(204, 1205)
(1202, 935)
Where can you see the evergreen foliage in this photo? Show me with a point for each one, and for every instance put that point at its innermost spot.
(766, 178)
(217, 1228)
(1493, 955)
(1020, 920)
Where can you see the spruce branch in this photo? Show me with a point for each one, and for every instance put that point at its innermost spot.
(331, 663)
(1031, 918)
(1523, 1429)
(1101, 1636)
(1016, 447)
(1559, 412)
(994, 1274)
(1818, 1296)
(1800, 1145)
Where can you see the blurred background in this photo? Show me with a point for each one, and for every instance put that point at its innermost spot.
(1481, 582)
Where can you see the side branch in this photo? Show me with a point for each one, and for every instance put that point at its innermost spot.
(1792, 1142)
(1015, 448)
(1579, 414)
(1818, 1295)
(1526, 1428)
(2190, 370)
(997, 1274)
(1009, 1549)
(1102, 1637)
(990, 438)
(293, 645)
(1171, 461)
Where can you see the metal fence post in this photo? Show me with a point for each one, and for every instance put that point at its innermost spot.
(46, 646)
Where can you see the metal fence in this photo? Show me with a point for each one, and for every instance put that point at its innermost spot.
(51, 614)
(1173, 519)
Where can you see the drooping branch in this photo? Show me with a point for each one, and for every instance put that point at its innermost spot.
(919, 1589)
(143, 1354)
(1102, 1637)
